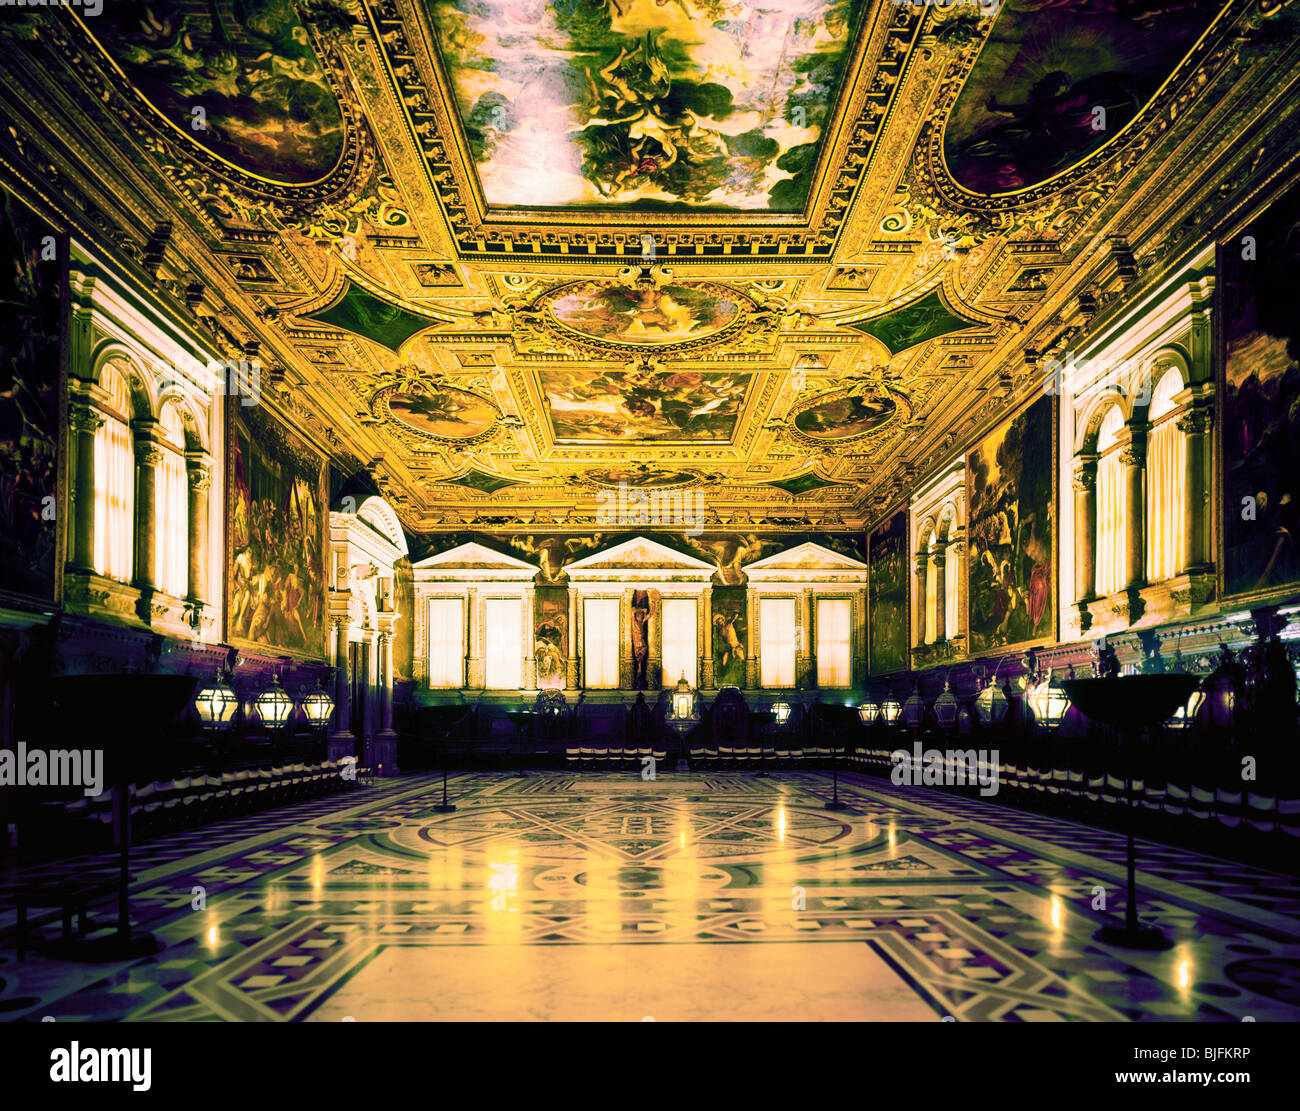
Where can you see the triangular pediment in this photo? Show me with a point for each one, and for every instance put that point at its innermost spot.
(805, 557)
(636, 554)
(475, 557)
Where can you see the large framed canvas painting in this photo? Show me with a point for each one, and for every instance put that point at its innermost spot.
(887, 596)
(1010, 492)
(275, 581)
(31, 284)
(730, 635)
(1261, 400)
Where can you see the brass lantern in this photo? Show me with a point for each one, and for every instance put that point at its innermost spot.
(216, 704)
(1048, 701)
(945, 707)
(683, 700)
(317, 706)
(867, 713)
(273, 705)
(781, 711)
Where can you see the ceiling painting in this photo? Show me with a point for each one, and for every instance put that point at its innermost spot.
(622, 406)
(1057, 79)
(433, 410)
(238, 77)
(786, 258)
(670, 105)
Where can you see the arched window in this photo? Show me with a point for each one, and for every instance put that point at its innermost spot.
(115, 481)
(1110, 505)
(932, 590)
(172, 508)
(951, 569)
(924, 585)
(1166, 483)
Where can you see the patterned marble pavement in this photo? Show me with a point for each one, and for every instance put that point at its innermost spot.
(716, 895)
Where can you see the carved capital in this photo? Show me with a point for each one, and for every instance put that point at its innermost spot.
(1085, 479)
(147, 453)
(1132, 456)
(84, 417)
(1194, 421)
(199, 475)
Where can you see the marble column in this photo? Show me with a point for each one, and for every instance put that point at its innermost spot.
(940, 558)
(84, 420)
(1194, 425)
(341, 742)
(474, 678)
(752, 641)
(625, 639)
(147, 457)
(571, 665)
(803, 659)
(1133, 459)
(198, 470)
(579, 647)
(528, 672)
(705, 611)
(921, 562)
(364, 713)
(1085, 527)
(386, 738)
(957, 550)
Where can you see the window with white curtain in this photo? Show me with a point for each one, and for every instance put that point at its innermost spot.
(776, 622)
(115, 482)
(1110, 505)
(677, 616)
(1166, 482)
(446, 643)
(931, 593)
(951, 568)
(503, 656)
(600, 642)
(834, 642)
(171, 509)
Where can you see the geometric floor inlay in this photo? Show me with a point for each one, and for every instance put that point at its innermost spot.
(698, 896)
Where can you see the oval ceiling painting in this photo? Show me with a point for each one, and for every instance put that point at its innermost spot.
(612, 312)
(1056, 79)
(446, 413)
(645, 479)
(239, 77)
(841, 418)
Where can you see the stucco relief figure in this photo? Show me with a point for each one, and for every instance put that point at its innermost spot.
(640, 638)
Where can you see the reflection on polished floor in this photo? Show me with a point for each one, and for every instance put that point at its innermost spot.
(692, 897)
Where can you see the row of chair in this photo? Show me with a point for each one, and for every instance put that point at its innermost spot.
(612, 756)
(763, 756)
(163, 805)
(1262, 812)
(701, 756)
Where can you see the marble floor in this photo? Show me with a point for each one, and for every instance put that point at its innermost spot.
(599, 896)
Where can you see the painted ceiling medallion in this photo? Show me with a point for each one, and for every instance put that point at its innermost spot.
(849, 414)
(648, 311)
(642, 477)
(437, 411)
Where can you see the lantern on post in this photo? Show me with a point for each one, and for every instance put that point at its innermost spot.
(216, 704)
(1048, 700)
(273, 705)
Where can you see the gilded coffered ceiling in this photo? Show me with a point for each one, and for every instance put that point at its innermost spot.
(793, 253)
